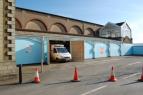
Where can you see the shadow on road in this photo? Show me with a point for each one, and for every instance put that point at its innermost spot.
(59, 83)
(98, 82)
(130, 83)
(16, 83)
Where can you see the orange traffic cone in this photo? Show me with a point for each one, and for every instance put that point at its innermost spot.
(141, 78)
(36, 78)
(112, 77)
(75, 78)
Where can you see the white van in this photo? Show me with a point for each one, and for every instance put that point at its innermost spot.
(59, 53)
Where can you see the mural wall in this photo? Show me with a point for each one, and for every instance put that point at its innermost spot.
(138, 49)
(94, 49)
(28, 50)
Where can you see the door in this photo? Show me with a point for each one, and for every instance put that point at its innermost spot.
(77, 50)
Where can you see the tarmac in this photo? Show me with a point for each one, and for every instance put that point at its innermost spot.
(93, 75)
(28, 72)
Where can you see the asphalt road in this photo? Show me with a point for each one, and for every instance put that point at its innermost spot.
(93, 76)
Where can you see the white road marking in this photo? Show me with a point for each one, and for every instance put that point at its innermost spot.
(115, 59)
(106, 60)
(133, 63)
(132, 75)
(102, 61)
(94, 90)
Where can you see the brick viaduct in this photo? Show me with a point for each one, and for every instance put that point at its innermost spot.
(30, 20)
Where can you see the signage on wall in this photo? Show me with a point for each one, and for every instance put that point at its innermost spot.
(29, 49)
(101, 51)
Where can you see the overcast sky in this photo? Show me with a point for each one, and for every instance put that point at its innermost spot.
(96, 11)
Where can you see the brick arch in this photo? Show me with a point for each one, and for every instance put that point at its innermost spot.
(97, 32)
(36, 24)
(58, 27)
(18, 24)
(75, 30)
(126, 39)
(89, 32)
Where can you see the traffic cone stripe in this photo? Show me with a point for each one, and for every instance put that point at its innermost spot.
(141, 78)
(36, 78)
(112, 76)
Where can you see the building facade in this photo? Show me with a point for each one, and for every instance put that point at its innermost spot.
(82, 37)
(119, 31)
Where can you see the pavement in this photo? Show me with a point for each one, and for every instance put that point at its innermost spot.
(93, 75)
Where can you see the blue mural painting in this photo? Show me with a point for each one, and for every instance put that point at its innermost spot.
(28, 50)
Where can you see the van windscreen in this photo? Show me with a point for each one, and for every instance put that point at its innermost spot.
(62, 50)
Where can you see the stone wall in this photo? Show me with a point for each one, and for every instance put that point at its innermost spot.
(7, 39)
(7, 71)
(1, 30)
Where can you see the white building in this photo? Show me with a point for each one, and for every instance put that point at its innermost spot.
(120, 31)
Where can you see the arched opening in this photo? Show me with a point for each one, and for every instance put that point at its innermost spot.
(18, 24)
(57, 27)
(36, 25)
(89, 32)
(75, 30)
(97, 34)
(127, 39)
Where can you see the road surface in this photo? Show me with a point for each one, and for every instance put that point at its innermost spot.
(93, 76)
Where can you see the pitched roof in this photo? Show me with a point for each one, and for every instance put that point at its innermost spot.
(120, 23)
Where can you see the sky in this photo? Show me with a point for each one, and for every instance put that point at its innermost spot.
(96, 11)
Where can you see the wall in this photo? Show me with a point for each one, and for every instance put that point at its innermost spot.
(7, 40)
(138, 49)
(126, 49)
(50, 21)
(114, 49)
(28, 50)
(89, 50)
(1, 30)
(97, 49)
(101, 50)
(94, 49)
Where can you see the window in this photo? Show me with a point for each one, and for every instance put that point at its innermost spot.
(62, 50)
